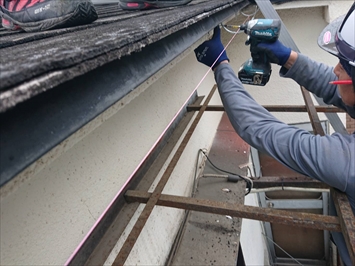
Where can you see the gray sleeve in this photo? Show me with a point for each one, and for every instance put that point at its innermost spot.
(329, 159)
(315, 77)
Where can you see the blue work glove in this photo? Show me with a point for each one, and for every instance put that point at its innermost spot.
(276, 51)
(208, 52)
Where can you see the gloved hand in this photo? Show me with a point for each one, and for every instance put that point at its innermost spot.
(276, 51)
(208, 52)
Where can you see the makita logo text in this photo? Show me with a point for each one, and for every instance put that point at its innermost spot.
(41, 9)
(263, 33)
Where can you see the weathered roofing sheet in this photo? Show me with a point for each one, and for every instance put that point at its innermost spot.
(32, 63)
(52, 83)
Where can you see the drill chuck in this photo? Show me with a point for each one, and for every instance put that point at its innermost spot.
(267, 30)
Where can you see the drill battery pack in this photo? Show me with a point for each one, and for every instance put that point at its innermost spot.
(254, 73)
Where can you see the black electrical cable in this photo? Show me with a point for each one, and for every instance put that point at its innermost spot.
(195, 175)
(248, 182)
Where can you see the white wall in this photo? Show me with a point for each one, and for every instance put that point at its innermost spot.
(48, 209)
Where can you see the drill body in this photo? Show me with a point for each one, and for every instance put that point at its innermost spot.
(257, 70)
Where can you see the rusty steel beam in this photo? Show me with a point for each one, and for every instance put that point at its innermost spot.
(312, 113)
(297, 219)
(150, 204)
(274, 108)
(279, 181)
(347, 220)
(102, 243)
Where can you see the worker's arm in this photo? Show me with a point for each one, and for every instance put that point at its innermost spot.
(315, 77)
(329, 159)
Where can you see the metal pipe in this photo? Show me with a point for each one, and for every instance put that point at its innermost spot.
(274, 108)
(254, 190)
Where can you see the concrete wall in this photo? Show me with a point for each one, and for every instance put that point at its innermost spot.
(48, 209)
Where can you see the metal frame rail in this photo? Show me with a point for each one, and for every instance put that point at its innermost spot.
(97, 248)
(153, 199)
(345, 222)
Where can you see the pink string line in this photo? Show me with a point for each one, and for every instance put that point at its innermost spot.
(145, 157)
